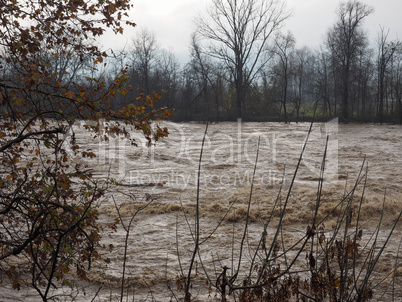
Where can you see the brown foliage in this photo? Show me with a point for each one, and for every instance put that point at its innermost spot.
(48, 203)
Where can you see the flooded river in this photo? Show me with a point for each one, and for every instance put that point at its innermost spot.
(160, 184)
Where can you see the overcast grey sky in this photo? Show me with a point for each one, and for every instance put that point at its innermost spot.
(173, 21)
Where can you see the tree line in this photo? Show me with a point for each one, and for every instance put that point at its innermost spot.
(242, 65)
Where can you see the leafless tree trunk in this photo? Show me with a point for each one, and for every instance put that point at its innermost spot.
(303, 58)
(284, 48)
(385, 52)
(397, 81)
(345, 40)
(239, 31)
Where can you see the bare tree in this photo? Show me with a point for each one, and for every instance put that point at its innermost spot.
(239, 31)
(166, 77)
(397, 79)
(209, 73)
(284, 50)
(322, 83)
(385, 53)
(304, 60)
(346, 40)
(144, 56)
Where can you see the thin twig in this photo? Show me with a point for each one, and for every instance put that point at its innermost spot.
(197, 223)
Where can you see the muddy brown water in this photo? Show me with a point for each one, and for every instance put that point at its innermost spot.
(160, 242)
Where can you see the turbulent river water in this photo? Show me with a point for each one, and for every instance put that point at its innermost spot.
(161, 241)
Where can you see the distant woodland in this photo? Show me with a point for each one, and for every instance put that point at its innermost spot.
(270, 78)
(242, 65)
